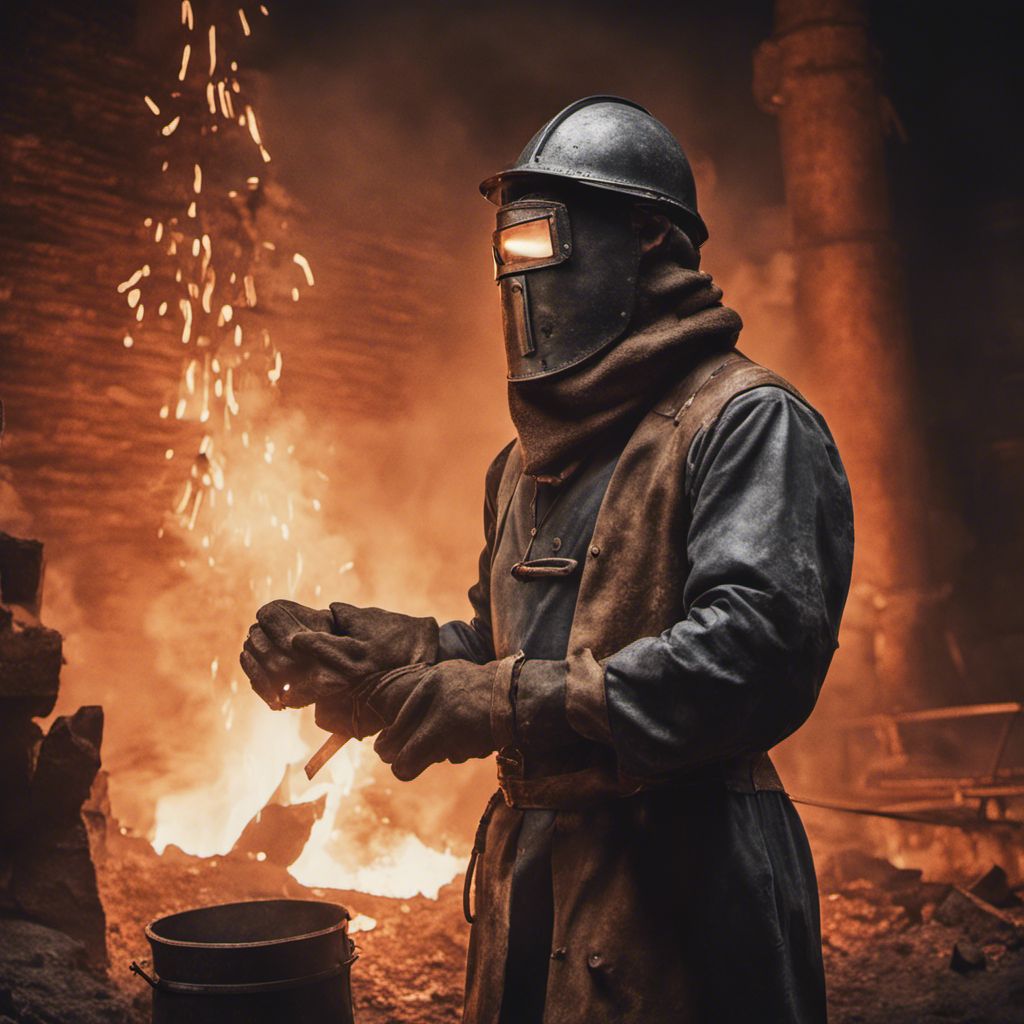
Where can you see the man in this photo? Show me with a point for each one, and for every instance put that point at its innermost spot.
(668, 550)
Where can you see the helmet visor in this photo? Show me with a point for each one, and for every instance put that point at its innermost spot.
(530, 234)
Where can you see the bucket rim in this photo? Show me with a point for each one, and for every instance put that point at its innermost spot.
(154, 937)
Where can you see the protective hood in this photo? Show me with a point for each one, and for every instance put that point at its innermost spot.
(679, 318)
(567, 272)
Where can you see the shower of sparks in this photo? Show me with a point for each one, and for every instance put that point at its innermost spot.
(245, 502)
(242, 510)
(214, 289)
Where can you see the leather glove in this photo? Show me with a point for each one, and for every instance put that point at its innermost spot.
(443, 712)
(294, 655)
(366, 643)
(267, 658)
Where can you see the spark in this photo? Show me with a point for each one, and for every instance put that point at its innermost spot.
(196, 505)
(186, 312)
(152, 106)
(184, 500)
(222, 96)
(244, 21)
(208, 291)
(306, 269)
(274, 374)
(213, 49)
(197, 180)
(131, 282)
(168, 129)
(185, 54)
(250, 120)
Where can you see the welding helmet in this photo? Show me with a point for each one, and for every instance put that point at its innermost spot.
(566, 251)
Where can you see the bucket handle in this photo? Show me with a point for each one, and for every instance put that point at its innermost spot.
(136, 969)
(185, 988)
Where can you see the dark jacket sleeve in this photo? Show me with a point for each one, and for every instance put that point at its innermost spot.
(770, 546)
(473, 640)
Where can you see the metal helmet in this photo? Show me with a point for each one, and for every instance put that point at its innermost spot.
(566, 251)
(610, 143)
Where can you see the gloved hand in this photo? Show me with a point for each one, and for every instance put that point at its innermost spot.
(367, 643)
(295, 656)
(439, 713)
(267, 658)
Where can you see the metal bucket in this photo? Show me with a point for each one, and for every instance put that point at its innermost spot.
(250, 963)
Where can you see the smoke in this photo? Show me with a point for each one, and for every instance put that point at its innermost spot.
(392, 398)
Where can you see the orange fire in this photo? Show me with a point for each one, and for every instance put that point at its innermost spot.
(249, 509)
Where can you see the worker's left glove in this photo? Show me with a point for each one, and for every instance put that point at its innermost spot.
(296, 656)
(452, 711)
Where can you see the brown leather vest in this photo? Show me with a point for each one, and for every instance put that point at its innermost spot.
(636, 570)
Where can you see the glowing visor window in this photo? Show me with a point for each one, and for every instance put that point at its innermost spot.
(530, 240)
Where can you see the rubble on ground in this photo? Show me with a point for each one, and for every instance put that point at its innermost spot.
(902, 950)
(53, 930)
(46, 978)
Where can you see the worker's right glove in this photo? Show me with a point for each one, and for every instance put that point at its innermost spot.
(442, 712)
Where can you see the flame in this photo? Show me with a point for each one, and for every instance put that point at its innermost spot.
(249, 510)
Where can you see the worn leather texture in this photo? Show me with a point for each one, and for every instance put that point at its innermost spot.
(664, 890)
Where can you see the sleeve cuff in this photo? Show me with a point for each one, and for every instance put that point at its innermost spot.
(558, 702)
(586, 705)
(503, 701)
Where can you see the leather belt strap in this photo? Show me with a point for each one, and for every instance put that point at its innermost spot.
(590, 786)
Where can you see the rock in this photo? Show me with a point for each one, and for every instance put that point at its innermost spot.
(21, 572)
(19, 743)
(69, 759)
(54, 883)
(966, 958)
(53, 879)
(853, 865)
(913, 898)
(97, 815)
(979, 922)
(30, 661)
(994, 887)
(44, 979)
(280, 832)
